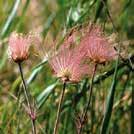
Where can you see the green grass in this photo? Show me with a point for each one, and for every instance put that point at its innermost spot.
(111, 108)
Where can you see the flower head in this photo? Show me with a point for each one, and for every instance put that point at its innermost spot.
(68, 66)
(19, 47)
(97, 46)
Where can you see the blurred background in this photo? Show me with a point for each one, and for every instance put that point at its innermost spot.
(52, 19)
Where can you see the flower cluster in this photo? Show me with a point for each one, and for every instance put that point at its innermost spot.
(68, 62)
(69, 65)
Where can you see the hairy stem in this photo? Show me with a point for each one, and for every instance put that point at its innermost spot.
(27, 99)
(89, 100)
(59, 109)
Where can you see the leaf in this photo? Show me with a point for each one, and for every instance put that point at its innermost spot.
(45, 94)
(16, 84)
(110, 101)
(34, 74)
(36, 70)
(23, 13)
(99, 9)
(48, 23)
(10, 18)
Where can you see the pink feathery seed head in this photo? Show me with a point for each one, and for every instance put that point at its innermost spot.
(67, 65)
(19, 47)
(97, 47)
(100, 50)
(69, 40)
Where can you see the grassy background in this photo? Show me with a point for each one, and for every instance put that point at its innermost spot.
(52, 18)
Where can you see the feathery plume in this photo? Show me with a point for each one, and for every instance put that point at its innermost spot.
(97, 46)
(68, 66)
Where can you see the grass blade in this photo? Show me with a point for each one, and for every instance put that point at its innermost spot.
(45, 94)
(23, 14)
(10, 18)
(110, 101)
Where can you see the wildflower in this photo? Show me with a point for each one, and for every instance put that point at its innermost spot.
(67, 64)
(19, 47)
(97, 46)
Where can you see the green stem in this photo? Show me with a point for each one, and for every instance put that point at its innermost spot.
(88, 104)
(59, 109)
(27, 99)
(110, 101)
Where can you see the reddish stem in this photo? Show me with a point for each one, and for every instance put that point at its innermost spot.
(89, 100)
(31, 113)
(59, 109)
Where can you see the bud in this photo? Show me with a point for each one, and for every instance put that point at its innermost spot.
(19, 47)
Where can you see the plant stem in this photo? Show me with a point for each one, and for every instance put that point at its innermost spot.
(92, 112)
(33, 126)
(89, 100)
(27, 99)
(132, 106)
(110, 101)
(59, 109)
